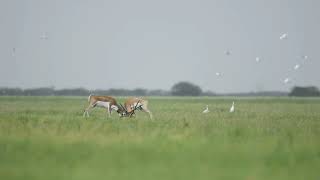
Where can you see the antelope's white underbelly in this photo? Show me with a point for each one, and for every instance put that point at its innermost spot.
(102, 104)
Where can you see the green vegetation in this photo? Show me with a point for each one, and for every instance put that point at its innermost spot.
(266, 138)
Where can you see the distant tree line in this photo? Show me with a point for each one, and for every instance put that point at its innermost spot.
(260, 93)
(49, 91)
(309, 91)
(178, 89)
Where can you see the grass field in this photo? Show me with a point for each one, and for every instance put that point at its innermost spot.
(266, 138)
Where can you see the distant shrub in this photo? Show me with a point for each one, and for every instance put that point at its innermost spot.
(305, 91)
(185, 89)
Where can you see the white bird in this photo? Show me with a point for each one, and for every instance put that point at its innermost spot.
(44, 36)
(305, 57)
(287, 80)
(258, 59)
(218, 74)
(297, 66)
(283, 36)
(206, 110)
(232, 107)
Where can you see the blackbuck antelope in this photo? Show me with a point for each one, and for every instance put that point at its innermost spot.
(133, 103)
(105, 102)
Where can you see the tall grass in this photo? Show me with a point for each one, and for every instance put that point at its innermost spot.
(266, 138)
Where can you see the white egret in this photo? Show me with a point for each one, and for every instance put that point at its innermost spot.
(297, 66)
(258, 59)
(206, 110)
(232, 108)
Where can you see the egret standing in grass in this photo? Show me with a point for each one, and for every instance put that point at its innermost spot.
(232, 107)
(206, 110)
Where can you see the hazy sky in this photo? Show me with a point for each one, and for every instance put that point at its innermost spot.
(154, 44)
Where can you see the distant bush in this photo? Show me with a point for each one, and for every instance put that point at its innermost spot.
(305, 91)
(185, 89)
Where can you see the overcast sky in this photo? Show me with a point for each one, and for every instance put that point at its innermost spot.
(154, 44)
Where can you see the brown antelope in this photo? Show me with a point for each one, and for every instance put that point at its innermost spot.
(105, 102)
(134, 103)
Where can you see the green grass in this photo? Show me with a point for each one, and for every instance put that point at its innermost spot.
(266, 138)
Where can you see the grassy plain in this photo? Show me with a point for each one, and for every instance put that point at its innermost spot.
(266, 138)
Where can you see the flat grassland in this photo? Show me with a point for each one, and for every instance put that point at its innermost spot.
(265, 138)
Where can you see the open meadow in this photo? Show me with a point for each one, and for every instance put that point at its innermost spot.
(265, 138)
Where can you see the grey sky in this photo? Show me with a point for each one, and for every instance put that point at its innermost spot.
(154, 44)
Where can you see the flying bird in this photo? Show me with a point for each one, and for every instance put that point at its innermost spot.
(297, 66)
(218, 74)
(287, 80)
(283, 36)
(232, 108)
(258, 59)
(44, 36)
(206, 110)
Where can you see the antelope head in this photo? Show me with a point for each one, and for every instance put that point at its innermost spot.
(122, 111)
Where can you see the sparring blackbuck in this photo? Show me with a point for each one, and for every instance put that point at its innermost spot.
(107, 102)
(133, 103)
